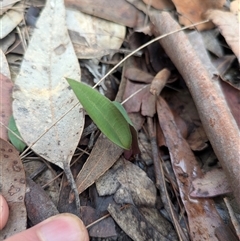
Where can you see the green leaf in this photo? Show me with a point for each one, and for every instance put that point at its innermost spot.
(104, 113)
(123, 111)
(20, 145)
(134, 148)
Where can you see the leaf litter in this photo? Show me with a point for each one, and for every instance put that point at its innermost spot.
(182, 112)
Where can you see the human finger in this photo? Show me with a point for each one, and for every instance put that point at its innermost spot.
(4, 212)
(62, 227)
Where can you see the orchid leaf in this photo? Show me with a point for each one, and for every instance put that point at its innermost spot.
(104, 113)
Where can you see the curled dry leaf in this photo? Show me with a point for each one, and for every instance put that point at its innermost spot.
(193, 11)
(13, 187)
(42, 95)
(228, 23)
(159, 81)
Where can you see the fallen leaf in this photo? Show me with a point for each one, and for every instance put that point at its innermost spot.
(159, 81)
(142, 227)
(6, 4)
(212, 42)
(42, 95)
(38, 204)
(135, 187)
(13, 187)
(11, 19)
(202, 215)
(6, 42)
(103, 155)
(187, 118)
(120, 12)
(6, 86)
(193, 11)
(233, 99)
(228, 23)
(160, 4)
(93, 37)
(4, 65)
(213, 183)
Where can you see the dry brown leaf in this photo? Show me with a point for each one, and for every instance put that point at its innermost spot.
(6, 86)
(104, 154)
(138, 75)
(187, 118)
(228, 23)
(232, 96)
(202, 215)
(193, 11)
(160, 4)
(212, 184)
(13, 187)
(39, 205)
(120, 11)
(159, 81)
(143, 100)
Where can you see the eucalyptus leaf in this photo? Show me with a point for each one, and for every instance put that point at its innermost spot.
(19, 145)
(104, 113)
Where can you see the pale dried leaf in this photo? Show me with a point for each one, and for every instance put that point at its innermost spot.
(140, 227)
(13, 187)
(6, 4)
(4, 65)
(11, 19)
(228, 23)
(42, 95)
(93, 37)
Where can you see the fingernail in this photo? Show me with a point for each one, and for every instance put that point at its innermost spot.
(63, 228)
